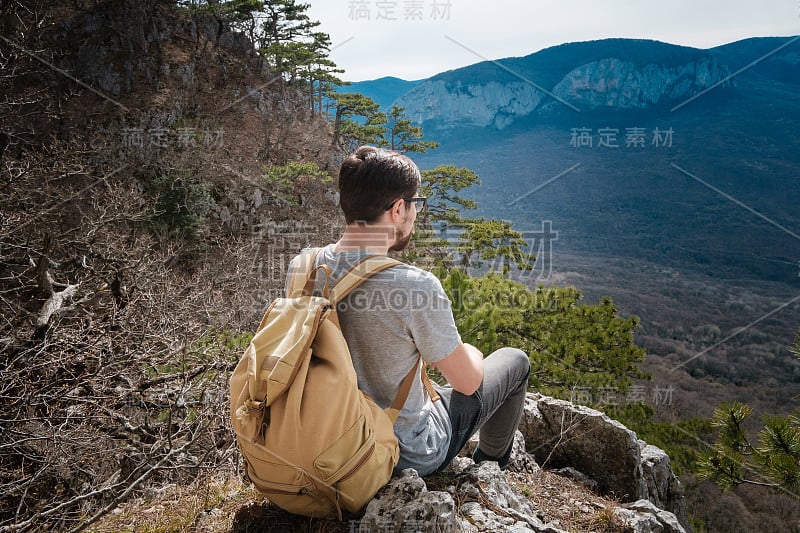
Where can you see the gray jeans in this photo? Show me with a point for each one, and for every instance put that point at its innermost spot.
(495, 409)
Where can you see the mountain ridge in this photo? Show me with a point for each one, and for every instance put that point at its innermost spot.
(640, 52)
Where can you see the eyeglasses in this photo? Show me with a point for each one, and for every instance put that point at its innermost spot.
(420, 202)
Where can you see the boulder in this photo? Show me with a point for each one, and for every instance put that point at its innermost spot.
(662, 487)
(560, 434)
(486, 503)
(644, 517)
(406, 504)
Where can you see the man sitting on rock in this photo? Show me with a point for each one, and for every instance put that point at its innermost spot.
(402, 313)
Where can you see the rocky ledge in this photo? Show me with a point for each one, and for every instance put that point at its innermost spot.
(582, 443)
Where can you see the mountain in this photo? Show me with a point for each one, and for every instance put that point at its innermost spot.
(614, 73)
(383, 90)
(610, 74)
(678, 155)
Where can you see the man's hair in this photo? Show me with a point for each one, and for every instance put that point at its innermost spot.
(371, 178)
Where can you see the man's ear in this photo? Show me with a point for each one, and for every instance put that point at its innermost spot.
(397, 212)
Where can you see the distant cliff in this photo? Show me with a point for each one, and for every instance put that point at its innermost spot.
(604, 83)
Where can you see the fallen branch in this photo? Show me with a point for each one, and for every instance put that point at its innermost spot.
(54, 305)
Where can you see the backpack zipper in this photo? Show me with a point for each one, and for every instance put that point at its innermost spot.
(358, 465)
(284, 492)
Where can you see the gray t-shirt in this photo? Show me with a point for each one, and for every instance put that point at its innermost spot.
(392, 319)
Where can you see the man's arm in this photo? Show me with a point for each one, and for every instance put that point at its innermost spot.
(463, 368)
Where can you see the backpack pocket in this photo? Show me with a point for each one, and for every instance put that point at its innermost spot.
(288, 487)
(355, 466)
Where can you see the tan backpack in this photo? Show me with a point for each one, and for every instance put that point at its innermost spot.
(313, 443)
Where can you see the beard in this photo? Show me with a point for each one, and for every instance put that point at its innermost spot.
(401, 243)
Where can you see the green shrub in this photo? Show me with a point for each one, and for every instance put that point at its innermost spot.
(182, 205)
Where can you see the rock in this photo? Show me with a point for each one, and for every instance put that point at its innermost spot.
(94, 64)
(492, 483)
(258, 199)
(185, 74)
(332, 196)
(663, 488)
(487, 504)
(644, 517)
(561, 434)
(405, 504)
(459, 464)
(520, 461)
(452, 105)
(488, 481)
(611, 82)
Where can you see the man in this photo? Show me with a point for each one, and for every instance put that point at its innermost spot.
(402, 313)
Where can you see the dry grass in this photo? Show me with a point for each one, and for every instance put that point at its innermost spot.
(205, 505)
(567, 504)
(211, 506)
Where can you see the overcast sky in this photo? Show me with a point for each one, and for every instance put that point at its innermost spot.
(414, 39)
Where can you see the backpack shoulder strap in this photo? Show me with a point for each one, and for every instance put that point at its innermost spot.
(359, 273)
(393, 412)
(302, 271)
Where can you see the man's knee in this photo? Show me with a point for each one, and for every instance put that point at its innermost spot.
(517, 360)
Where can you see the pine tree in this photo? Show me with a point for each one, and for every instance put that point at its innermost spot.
(320, 72)
(286, 39)
(774, 462)
(494, 240)
(357, 121)
(570, 344)
(443, 220)
(402, 135)
(442, 185)
(286, 24)
(444, 230)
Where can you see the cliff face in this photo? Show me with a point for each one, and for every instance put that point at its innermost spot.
(614, 83)
(605, 83)
(463, 104)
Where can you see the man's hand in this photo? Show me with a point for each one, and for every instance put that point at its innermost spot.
(463, 368)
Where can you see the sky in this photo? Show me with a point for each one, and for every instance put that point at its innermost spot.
(415, 39)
